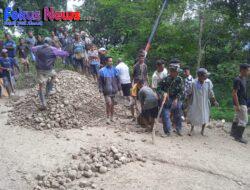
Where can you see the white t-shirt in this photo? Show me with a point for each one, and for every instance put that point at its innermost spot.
(158, 77)
(123, 73)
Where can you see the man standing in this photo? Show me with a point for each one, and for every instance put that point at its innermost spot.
(31, 42)
(55, 40)
(45, 58)
(172, 88)
(201, 94)
(109, 85)
(80, 56)
(240, 104)
(149, 107)
(67, 45)
(7, 65)
(10, 45)
(124, 76)
(102, 55)
(140, 71)
(160, 73)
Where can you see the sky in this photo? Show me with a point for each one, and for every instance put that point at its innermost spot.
(72, 3)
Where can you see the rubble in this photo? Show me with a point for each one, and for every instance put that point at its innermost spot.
(90, 163)
(76, 103)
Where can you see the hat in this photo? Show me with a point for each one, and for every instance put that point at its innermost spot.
(175, 61)
(175, 67)
(4, 50)
(47, 40)
(244, 66)
(202, 71)
(102, 49)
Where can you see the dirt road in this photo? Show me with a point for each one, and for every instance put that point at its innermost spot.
(211, 162)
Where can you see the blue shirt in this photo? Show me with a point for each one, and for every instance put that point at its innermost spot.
(8, 63)
(10, 45)
(109, 83)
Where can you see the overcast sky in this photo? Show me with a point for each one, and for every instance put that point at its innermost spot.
(72, 3)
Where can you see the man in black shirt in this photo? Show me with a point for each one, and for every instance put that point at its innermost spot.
(240, 104)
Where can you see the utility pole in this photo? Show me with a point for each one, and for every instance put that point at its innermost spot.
(154, 29)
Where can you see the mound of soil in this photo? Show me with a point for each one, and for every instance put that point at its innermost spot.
(76, 103)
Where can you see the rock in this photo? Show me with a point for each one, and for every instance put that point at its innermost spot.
(123, 160)
(40, 183)
(55, 184)
(113, 149)
(81, 167)
(93, 186)
(72, 174)
(88, 174)
(40, 177)
(84, 184)
(62, 187)
(74, 157)
(103, 170)
(87, 167)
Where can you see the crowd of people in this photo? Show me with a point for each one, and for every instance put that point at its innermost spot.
(168, 97)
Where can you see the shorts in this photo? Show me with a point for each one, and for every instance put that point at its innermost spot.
(126, 89)
(109, 99)
(44, 75)
(153, 113)
(241, 117)
(94, 69)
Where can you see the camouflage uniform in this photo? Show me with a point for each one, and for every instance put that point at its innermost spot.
(174, 87)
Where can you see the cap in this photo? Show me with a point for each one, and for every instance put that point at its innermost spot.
(47, 40)
(175, 61)
(102, 49)
(244, 66)
(4, 50)
(175, 67)
(202, 71)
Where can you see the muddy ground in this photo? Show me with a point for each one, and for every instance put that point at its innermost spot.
(211, 162)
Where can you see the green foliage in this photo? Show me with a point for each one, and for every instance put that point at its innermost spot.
(222, 113)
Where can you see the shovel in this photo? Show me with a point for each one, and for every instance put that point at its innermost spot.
(158, 116)
(10, 80)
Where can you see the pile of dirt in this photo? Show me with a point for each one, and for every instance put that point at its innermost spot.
(76, 104)
(88, 163)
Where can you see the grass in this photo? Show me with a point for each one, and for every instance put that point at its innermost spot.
(222, 113)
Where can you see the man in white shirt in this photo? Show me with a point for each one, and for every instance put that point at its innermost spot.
(124, 77)
(160, 73)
